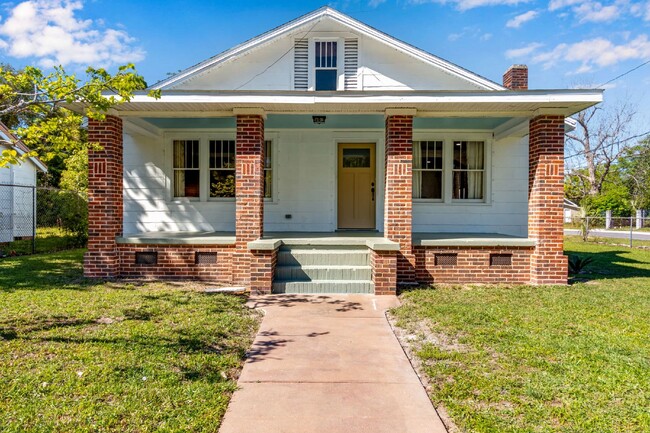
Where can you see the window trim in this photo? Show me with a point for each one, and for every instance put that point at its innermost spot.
(442, 170)
(448, 138)
(210, 169)
(204, 137)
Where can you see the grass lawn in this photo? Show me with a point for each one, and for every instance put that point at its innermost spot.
(78, 356)
(541, 359)
(48, 239)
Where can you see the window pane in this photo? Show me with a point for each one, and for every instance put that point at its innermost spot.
(222, 154)
(468, 185)
(431, 185)
(475, 155)
(356, 158)
(222, 183)
(268, 178)
(186, 183)
(186, 154)
(267, 154)
(326, 79)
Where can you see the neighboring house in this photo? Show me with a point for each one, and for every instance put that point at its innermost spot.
(571, 211)
(17, 191)
(257, 166)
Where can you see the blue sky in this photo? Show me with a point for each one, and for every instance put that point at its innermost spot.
(565, 43)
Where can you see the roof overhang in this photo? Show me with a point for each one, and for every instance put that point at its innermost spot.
(423, 104)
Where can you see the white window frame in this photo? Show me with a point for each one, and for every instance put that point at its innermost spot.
(340, 83)
(443, 170)
(204, 138)
(448, 138)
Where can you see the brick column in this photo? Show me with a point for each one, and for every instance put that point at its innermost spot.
(398, 192)
(262, 270)
(249, 191)
(384, 271)
(548, 264)
(105, 201)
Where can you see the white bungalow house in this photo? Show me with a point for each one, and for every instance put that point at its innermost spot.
(327, 156)
(17, 190)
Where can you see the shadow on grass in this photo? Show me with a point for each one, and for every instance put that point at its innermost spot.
(44, 272)
(611, 264)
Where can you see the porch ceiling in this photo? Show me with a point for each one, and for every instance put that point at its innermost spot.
(428, 104)
(333, 121)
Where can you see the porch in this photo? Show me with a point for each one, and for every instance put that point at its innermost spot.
(327, 262)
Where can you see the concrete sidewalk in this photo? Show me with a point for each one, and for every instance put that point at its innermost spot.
(328, 363)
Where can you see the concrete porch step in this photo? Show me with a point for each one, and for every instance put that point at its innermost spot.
(323, 286)
(323, 256)
(320, 272)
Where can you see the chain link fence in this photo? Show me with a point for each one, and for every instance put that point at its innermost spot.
(37, 220)
(632, 231)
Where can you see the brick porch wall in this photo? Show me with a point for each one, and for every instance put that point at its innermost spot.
(548, 263)
(177, 262)
(384, 271)
(249, 192)
(262, 270)
(398, 200)
(105, 201)
(473, 265)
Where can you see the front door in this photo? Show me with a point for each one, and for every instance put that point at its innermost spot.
(356, 186)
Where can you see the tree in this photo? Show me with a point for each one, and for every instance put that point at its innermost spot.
(32, 103)
(635, 168)
(600, 138)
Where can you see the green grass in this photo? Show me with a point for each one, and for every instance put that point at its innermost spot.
(79, 356)
(48, 239)
(541, 359)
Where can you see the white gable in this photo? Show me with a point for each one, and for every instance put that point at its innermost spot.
(367, 60)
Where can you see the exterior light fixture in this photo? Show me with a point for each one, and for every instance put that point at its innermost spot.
(318, 120)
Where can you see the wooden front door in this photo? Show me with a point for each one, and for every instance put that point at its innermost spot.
(356, 186)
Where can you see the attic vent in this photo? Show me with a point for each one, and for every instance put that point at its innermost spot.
(300, 65)
(351, 64)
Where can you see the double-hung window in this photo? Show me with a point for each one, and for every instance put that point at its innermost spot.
(449, 170)
(213, 162)
(186, 168)
(428, 169)
(222, 168)
(326, 69)
(469, 170)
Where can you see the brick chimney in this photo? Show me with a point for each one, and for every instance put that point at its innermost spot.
(516, 77)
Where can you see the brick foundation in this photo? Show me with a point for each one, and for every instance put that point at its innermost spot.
(398, 202)
(177, 262)
(105, 201)
(473, 265)
(548, 263)
(249, 192)
(384, 271)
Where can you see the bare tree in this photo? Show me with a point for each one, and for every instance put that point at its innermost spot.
(601, 136)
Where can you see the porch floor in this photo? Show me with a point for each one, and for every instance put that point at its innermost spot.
(342, 238)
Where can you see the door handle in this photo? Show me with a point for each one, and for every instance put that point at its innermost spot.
(372, 190)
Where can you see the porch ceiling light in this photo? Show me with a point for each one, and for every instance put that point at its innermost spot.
(318, 120)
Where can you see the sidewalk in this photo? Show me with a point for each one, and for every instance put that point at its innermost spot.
(328, 363)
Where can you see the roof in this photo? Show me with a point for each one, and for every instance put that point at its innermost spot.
(8, 138)
(312, 18)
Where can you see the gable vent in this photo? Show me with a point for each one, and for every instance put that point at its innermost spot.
(351, 64)
(300, 65)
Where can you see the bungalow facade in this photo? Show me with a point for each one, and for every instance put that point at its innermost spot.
(327, 156)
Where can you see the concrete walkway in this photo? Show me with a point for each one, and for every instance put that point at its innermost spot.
(328, 363)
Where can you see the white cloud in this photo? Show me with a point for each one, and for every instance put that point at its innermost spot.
(560, 4)
(463, 5)
(50, 31)
(523, 51)
(517, 21)
(375, 3)
(486, 36)
(595, 53)
(596, 12)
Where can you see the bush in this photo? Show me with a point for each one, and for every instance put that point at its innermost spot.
(63, 209)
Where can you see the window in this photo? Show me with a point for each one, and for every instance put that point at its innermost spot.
(427, 169)
(326, 69)
(222, 168)
(186, 168)
(469, 168)
(449, 170)
(205, 168)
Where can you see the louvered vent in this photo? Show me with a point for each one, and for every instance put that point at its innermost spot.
(300, 65)
(351, 64)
